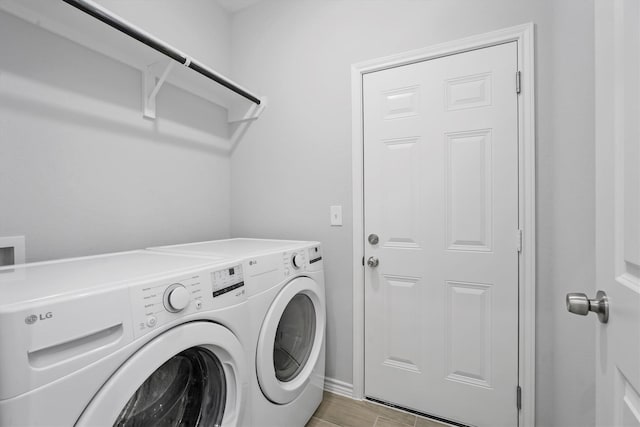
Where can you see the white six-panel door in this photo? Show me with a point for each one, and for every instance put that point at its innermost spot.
(441, 194)
(618, 211)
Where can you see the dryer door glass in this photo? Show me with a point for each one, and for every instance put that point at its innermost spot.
(187, 390)
(294, 337)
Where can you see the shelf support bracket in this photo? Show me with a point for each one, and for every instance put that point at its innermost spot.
(252, 113)
(151, 86)
(243, 124)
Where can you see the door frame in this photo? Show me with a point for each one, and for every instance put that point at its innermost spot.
(523, 35)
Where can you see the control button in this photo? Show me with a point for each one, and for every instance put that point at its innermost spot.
(176, 298)
(151, 321)
(198, 304)
(297, 261)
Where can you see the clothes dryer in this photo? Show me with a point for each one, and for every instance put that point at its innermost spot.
(286, 296)
(134, 338)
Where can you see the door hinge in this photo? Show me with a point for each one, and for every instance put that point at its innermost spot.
(519, 240)
(519, 397)
(518, 82)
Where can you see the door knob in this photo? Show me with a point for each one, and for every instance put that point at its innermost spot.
(578, 303)
(373, 261)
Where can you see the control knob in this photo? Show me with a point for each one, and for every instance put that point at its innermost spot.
(176, 298)
(297, 261)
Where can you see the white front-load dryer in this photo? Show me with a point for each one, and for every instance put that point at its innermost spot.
(285, 286)
(135, 338)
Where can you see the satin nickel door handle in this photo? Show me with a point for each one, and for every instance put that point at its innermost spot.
(373, 262)
(579, 303)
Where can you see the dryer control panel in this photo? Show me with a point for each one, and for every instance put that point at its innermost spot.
(263, 272)
(305, 259)
(160, 302)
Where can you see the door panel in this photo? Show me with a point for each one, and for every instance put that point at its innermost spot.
(617, 210)
(441, 192)
(401, 292)
(469, 215)
(468, 333)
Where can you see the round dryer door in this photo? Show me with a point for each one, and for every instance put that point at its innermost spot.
(191, 375)
(291, 340)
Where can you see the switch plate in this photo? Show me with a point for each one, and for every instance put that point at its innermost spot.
(336, 215)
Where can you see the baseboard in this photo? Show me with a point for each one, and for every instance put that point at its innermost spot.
(338, 387)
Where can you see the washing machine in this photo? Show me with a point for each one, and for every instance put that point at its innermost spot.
(285, 286)
(133, 338)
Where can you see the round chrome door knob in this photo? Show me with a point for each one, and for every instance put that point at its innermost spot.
(579, 303)
(373, 261)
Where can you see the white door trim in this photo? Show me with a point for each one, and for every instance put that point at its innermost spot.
(524, 36)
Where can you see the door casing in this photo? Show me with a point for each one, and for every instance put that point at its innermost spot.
(523, 35)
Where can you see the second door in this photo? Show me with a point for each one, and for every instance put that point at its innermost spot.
(441, 236)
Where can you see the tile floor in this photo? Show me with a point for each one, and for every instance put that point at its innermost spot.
(339, 411)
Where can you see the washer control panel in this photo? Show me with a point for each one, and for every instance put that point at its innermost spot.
(227, 280)
(160, 302)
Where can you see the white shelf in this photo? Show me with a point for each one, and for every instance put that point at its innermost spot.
(67, 21)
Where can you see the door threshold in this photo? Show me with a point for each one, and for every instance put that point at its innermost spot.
(418, 413)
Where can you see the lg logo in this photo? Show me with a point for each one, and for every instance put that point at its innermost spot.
(31, 319)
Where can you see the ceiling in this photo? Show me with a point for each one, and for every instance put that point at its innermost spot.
(236, 5)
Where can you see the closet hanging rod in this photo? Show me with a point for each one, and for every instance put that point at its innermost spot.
(102, 14)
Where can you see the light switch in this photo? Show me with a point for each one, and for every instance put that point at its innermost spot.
(336, 215)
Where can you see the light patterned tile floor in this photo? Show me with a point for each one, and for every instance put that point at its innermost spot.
(339, 411)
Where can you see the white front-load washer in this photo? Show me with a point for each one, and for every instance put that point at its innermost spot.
(133, 338)
(285, 286)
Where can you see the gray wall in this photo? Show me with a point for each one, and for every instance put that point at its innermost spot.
(295, 161)
(81, 172)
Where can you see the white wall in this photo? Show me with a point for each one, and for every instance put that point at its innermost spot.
(295, 160)
(81, 172)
